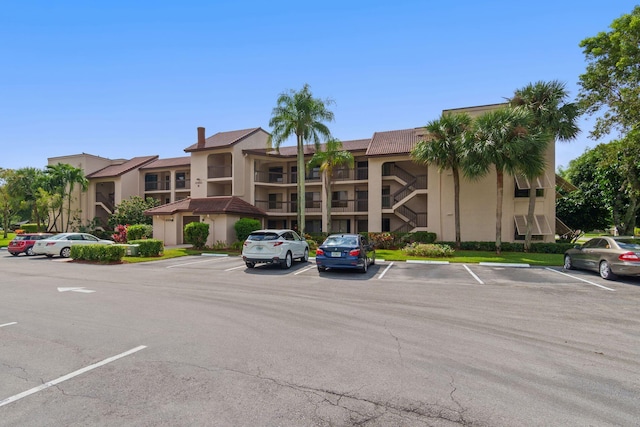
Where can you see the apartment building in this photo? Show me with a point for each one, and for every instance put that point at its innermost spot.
(231, 175)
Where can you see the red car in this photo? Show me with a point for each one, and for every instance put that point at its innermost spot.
(23, 243)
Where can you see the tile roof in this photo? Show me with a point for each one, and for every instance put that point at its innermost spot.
(117, 170)
(292, 150)
(208, 205)
(395, 141)
(223, 139)
(169, 163)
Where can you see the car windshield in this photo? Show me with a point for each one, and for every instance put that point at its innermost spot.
(21, 238)
(341, 241)
(632, 245)
(257, 237)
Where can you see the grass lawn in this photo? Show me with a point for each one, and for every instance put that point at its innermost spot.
(480, 256)
(5, 242)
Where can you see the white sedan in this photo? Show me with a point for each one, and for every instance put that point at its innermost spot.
(60, 244)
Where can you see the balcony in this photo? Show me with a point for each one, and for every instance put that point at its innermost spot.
(288, 207)
(219, 171)
(283, 177)
(346, 174)
(183, 184)
(157, 186)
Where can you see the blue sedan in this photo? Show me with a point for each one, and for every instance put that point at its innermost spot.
(345, 251)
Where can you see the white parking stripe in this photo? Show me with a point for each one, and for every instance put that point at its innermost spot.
(8, 324)
(236, 268)
(69, 376)
(578, 278)
(302, 271)
(195, 262)
(473, 274)
(385, 271)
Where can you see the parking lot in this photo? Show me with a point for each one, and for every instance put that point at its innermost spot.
(206, 341)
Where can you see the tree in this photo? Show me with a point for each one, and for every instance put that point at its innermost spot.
(27, 184)
(506, 140)
(62, 178)
(302, 115)
(131, 211)
(8, 202)
(612, 79)
(445, 149)
(553, 115)
(332, 156)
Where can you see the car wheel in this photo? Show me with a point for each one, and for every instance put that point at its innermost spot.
(365, 265)
(65, 252)
(605, 271)
(30, 251)
(568, 265)
(250, 264)
(14, 254)
(288, 260)
(49, 255)
(305, 257)
(321, 269)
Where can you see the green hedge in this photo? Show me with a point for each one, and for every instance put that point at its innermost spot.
(97, 253)
(139, 231)
(149, 247)
(541, 248)
(428, 250)
(29, 228)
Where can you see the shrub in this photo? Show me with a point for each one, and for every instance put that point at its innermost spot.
(313, 245)
(245, 226)
(29, 228)
(383, 240)
(428, 250)
(539, 247)
(139, 231)
(237, 246)
(120, 234)
(196, 233)
(97, 253)
(219, 245)
(149, 247)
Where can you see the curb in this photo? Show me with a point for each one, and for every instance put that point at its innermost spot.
(220, 255)
(417, 261)
(504, 264)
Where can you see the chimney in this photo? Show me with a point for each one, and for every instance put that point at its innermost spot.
(201, 138)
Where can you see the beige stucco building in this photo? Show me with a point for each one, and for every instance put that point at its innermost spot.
(231, 175)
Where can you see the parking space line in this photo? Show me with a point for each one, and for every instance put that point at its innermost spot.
(195, 262)
(302, 271)
(474, 275)
(8, 324)
(69, 376)
(578, 278)
(385, 271)
(236, 268)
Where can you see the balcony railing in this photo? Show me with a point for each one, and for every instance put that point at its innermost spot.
(219, 171)
(288, 207)
(282, 177)
(183, 184)
(346, 174)
(157, 186)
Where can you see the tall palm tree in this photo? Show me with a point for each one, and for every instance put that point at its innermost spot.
(444, 149)
(62, 180)
(332, 156)
(504, 139)
(552, 114)
(302, 115)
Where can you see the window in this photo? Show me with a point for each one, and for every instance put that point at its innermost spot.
(276, 174)
(275, 201)
(540, 225)
(181, 179)
(523, 186)
(339, 199)
(386, 196)
(386, 224)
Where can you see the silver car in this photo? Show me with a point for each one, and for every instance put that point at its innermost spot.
(274, 247)
(60, 244)
(609, 256)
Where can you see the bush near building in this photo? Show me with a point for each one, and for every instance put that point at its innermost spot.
(196, 233)
(245, 226)
(97, 253)
(139, 231)
(149, 247)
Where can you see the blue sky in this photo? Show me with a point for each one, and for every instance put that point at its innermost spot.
(121, 79)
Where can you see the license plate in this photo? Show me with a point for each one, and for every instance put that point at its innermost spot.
(336, 254)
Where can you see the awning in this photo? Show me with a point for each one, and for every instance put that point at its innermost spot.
(540, 225)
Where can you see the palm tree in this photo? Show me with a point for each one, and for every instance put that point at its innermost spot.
(504, 139)
(302, 115)
(552, 114)
(444, 148)
(332, 156)
(62, 180)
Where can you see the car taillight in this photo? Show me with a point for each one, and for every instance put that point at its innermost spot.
(354, 252)
(277, 244)
(246, 243)
(629, 256)
(319, 251)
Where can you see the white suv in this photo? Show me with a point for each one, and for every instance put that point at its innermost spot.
(274, 246)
